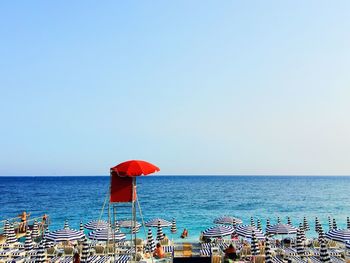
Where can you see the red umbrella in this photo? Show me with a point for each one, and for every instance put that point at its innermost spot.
(134, 168)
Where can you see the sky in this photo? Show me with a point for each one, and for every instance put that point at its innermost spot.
(195, 87)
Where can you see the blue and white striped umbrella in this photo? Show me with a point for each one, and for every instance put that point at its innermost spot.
(348, 222)
(281, 229)
(160, 234)
(324, 254)
(268, 256)
(305, 225)
(66, 225)
(85, 251)
(154, 222)
(65, 235)
(96, 224)
(334, 224)
(173, 226)
(151, 246)
(28, 243)
(47, 243)
(247, 232)
(35, 230)
(128, 224)
(6, 227)
(341, 235)
(106, 234)
(254, 244)
(347, 244)
(300, 245)
(40, 255)
(218, 231)
(11, 235)
(81, 226)
(227, 220)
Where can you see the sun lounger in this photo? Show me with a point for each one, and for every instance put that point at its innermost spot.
(334, 252)
(204, 252)
(314, 259)
(103, 259)
(68, 259)
(55, 259)
(290, 252)
(296, 259)
(17, 260)
(18, 253)
(277, 259)
(122, 259)
(337, 260)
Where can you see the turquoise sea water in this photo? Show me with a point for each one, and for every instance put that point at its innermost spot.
(193, 200)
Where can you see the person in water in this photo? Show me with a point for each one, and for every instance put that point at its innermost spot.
(184, 233)
(159, 252)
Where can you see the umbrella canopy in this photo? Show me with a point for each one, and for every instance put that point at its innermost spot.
(134, 168)
(106, 234)
(160, 234)
(28, 243)
(341, 235)
(11, 235)
(65, 235)
(227, 220)
(218, 231)
(85, 251)
(268, 257)
(300, 246)
(306, 224)
(156, 221)
(254, 244)
(173, 226)
(151, 246)
(247, 232)
(47, 243)
(281, 229)
(96, 224)
(128, 224)
(324, 254)
(35, 231)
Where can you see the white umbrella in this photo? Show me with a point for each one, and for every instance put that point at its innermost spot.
(96, 224)
(218, 231)
(341, 235)
(247, 232)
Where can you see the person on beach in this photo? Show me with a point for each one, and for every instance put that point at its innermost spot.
(44, 219)
(184, 233)
(230, 253)
(76, 258)
(159, 252)
(24, 217)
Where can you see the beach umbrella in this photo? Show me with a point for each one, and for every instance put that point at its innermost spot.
(247, 232)
(334, 226)
(227, 220)
(106, 234)
(347, 245)
(28, 243)
(156, 221)
(281, 229)
(302, 232)
(160, 235)
(47, 243)
(96, 224)
(279, 220)
(35, 231)
(341, 235)
(324, 255)
(289, 221)
(306, 224)
(321, 235)
(252, 223)
(254, 244)
(117, 227)
(259, 226)
(348, 222)
(268, 223)
(66, 225)
(317, 224)
(11, 235)
(134, 168)
(300, 246)
(6, 227)
(330, 225)
(128, 224)
(268, 256)
(65, 235)
(40, 255)
(151, 246)
(85, 251)
(218, 231)
(173, 226)
(81, 227)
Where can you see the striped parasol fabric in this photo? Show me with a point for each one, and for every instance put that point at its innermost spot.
(35, 231)
(321, 235)
(173, 226)
(28, 243)
(66, 225)
(6, 227)
(254, 244)
(324, 255)
(341, 235)
(348, 223)
(81, 226)
(151, 246)
(279, 220)
(11, 235)
(252, 223)
(47, 243)
(96, 224)
(300, 246)
(258, 224)
(218, 231)
(317, 224)
(289, 221)
(268, 223)
(85, 251)
(106, 234)
(117, 227)
(40, 255)
(128, 224)
(302, 232)
(268, 256)
(228, 220)
(306, 225)
(330, 225)
(334, 225)
(347, 244)
(247, 232)
(281, 229)
(160, 234)
(156, 221)
(65, 235)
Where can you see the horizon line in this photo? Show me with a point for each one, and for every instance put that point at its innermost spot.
(189, 175)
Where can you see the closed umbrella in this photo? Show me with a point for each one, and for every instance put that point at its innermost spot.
(259, 226)
(35, 231)
(302, 233)
(40, 255)
(106, 234)
(289, 221)
(66, 225)
(47, 243)
(11, 235)
(117, 227)
(324, 254)
(300, 246)
(28, 243)
(247, 232)
(81, 227)
(173, 226)
(151, 246)
(65, 235)
(6, 228)
(85, 251)
(321, 235)
(254, 244)
(279, 220)
(334, 224)
(330, 225)
(218, 231)
(348, 222)
(268, 223)
(306, 224)
(252, 223)
(227, 220)
(268, 257)
(160, 235)
(96, 224)
(317, 224)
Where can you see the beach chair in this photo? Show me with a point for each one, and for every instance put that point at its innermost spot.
(66, 259)
(54, 259)
(277, 259)
(122, 259)
(99, 250)
(314, 259)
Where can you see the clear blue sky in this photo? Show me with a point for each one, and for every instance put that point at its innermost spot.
(196, 87)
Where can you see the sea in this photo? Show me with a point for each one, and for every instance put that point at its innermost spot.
(194, 201)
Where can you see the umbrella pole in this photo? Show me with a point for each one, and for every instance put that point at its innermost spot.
(133, 227)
